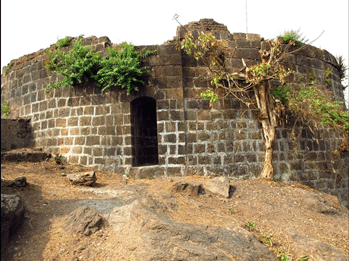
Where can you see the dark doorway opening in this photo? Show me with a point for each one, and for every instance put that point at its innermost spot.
(144, 132)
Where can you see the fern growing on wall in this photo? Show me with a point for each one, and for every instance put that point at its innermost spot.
(122, 67)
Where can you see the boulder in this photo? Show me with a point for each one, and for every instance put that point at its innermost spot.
(219, 186)
(84, 220)
(12, 216)
(189, 189)
(20, 182)
(87, 178)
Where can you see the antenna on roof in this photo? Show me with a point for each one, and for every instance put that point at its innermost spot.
(175, 18)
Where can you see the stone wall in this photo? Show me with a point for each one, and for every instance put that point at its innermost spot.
(16, 134)
(193, 137)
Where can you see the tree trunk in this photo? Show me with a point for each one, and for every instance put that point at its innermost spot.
(267, 118)
(269, 136)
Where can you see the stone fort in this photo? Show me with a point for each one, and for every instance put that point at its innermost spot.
(166, 129)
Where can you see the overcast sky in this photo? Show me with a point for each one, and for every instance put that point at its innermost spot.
(30, 25)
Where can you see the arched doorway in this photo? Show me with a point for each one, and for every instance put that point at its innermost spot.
(144, 132)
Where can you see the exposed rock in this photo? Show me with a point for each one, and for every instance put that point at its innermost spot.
(83, 220)
(12, 215)
(6, 183)
(306, 245)
(25, 154)
(20, 181)
(317, 203)
(83, 178)
(160, 238)
(188, 188)
(219, 186)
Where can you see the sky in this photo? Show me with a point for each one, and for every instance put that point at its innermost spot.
(28, 26)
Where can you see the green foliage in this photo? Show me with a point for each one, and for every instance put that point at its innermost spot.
(122, 68)
(79, 66)
(208, 94)
(204, 46)
(282, 256)
(82, 64)
(261, 69)
(304, 258)
(5, 110)
(9, 65)
(294, 37)
(258, 72)
(267, 238)
(63, 42)
(231, 211)
(250, 225)
(342, 67)
(310, 103)
(327, 76)
(282, 93)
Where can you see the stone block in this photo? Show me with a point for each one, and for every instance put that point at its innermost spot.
(89, 110)
(97, 151)
(192, 104)
(73, 102)
(163, 104)
(98, 121)
(203, 136)
(77, 150)
(176, 115)
(163, 115)
(170, 138)
(204, 160)
(174, 171)
(74, 131)
(79, 140)
(73, 121)
(92, 140)
(199, 148)
(61, 123)
(192, 138)
(176, 160)
(170, 126)
(191, 115)
(99, 161)
(181, 137)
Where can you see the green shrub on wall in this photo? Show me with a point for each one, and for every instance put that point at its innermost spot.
(82, 64)
(295, 37)
(78, 66)
(5, 110)
(122, 68)
(64, 42)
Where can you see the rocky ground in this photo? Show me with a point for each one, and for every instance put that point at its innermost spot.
(181, 218)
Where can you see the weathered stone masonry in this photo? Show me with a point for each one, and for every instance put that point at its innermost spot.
(166, 125)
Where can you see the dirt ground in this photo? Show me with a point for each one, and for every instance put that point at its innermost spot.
(274, 208)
